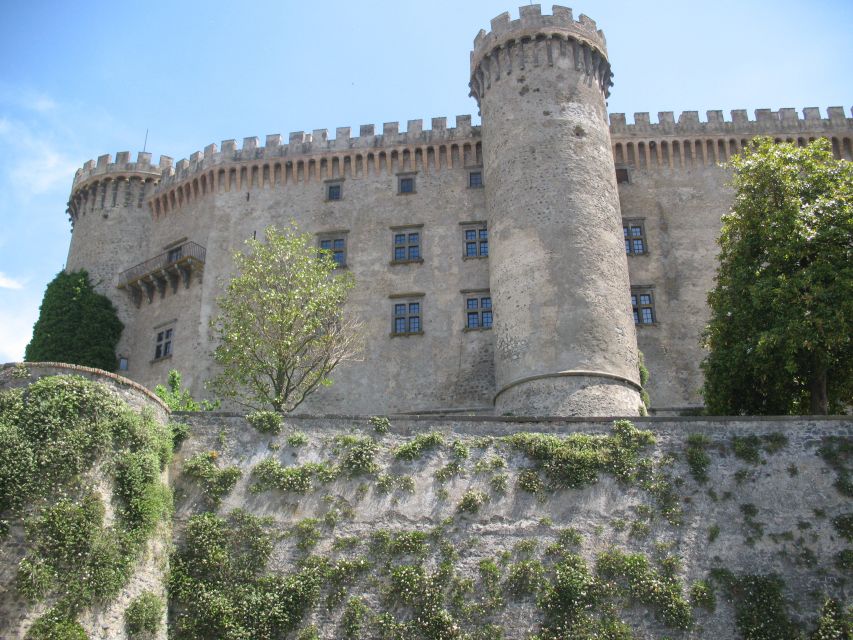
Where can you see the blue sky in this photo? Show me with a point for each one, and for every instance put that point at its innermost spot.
(78, 80)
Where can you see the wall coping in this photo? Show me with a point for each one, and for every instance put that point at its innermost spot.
(64, 368)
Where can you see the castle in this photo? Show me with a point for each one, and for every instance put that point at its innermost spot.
(491, 273)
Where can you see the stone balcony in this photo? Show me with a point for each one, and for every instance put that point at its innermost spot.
(168, 269)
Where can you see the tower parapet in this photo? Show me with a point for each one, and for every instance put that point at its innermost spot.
(565, 340)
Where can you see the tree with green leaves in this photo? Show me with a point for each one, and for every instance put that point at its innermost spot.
(178, 399)
(76, 325)
(780, 338)
(281, 327)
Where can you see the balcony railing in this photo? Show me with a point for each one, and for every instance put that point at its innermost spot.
(169, 267)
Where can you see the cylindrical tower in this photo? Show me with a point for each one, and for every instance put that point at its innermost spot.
(111, 223)
(565, 340)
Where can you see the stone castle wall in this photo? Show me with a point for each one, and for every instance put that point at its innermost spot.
(669, 180)
(791, 534)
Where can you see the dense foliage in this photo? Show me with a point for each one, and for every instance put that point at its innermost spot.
(780, 337)
(281, 328)
(218, 587)
(75, 325)
(144, 615)
(57, 436)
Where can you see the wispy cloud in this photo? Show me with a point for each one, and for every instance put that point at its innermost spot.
(9, 283)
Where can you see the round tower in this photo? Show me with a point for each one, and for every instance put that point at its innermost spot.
(565, 340)
(110, 224)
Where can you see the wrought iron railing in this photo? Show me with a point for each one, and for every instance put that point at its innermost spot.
(187, 252)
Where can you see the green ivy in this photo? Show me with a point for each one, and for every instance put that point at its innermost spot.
(418, 445)
(266, 421)
(761, 611)
(218, 587)
(697, 456)
(53, 626)
(576, 460)
(51, 435)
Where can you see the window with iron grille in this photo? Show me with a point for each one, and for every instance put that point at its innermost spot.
(475, 179)
(643, 306)
(405, 184)
(478, 310)
(635, 237)
(334, 191)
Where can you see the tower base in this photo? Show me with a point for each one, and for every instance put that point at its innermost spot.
(570, 393)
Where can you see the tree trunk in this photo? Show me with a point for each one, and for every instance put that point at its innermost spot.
(817, 387)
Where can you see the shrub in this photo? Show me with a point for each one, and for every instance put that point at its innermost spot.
(381, 424)
(215, 482)
(266, 421)
(697, 456)
(359, 456)
(144, 614)
(418, 445)
(53, 626)
(472, 500)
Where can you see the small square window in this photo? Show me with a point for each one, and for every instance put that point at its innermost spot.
(406, 184)
(643, 306)
(476, 241)
(122, 363)
(635, 237)
(334, 191)
(475, 179)
(622, 176)
(336, 245)
(407, 318)
(478, 311)
(163, 343)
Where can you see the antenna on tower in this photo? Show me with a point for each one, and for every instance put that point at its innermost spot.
(145, 144)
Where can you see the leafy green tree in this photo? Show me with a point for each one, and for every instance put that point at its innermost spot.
(780, 338)
(178, 399)
(76, 325)
(281, 327)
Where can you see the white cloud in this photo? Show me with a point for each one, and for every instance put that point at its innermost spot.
(9, 283)
(15, 331)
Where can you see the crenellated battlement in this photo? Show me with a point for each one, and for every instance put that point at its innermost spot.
(767, 122)
(122, 165)
(538, 40)
(303, 145)
(531, 20)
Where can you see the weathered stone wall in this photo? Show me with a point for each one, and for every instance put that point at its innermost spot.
(791, 533)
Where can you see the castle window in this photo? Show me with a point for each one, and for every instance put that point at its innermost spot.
(635, 237)
(475, 179)
(405, 184)
(407, 315)
(122, 363)
(476, 237)
(163, 343)
(622, 176)
(335, 242)
(643, 306)
(334, 190)
(407, 242)
(478, 310)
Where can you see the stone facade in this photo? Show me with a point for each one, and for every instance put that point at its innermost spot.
(544, 176)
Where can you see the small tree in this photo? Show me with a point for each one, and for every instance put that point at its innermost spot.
(281, 328)
(780, 338)
(76, 325)
(178, 399)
